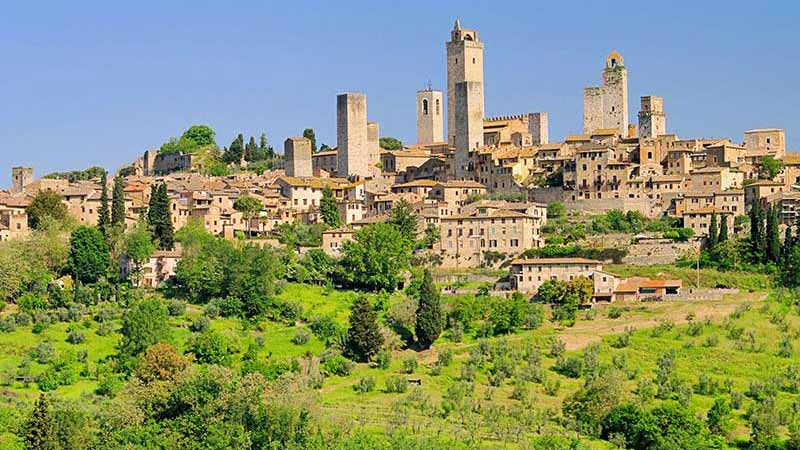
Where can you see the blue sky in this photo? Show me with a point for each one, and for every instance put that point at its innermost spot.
(98, 82)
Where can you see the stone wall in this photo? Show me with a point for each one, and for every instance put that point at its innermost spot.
(468, 123)
(658, 251)
(351, 134)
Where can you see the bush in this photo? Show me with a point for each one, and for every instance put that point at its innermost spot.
(301, 337)
(209, 348)
(445, 357)
(364, 385)
(75, 337)
(22, 318)
(212, 310)
(396, 384)
(228, 306)
(200, 324)
(614, 312)
(324, 327)
(104, 329)
(384, 359)
(410, 364)
(39, 327)
(176, 308)
(338, 365)
(30, 303)
(290, 311)
(43, 353)
(569, 367)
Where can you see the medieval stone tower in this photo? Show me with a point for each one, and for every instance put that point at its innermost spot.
(297, 156)
(469, 125)
(21, 177)
(351, 135)
(430, 122)
(464, 63)
(607, 106)
(652, 120)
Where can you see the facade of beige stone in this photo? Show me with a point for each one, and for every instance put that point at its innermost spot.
(652, 120)
(21, 177)
(430, 117)
(464, 63)
(352, 140)
(297, 157)
(527, 275)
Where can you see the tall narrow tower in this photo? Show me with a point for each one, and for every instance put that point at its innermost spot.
(430, 122)
(351, 135)
(652, 120)
(464, 63)
(297, 156)
(20, 177)
(469, 125)
(606, 106)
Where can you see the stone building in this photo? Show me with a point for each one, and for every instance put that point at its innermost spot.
(606, 106)
(297, 156)
(521, 130)
(430, 120)
(468, 125)
(528, 274)
(652, 120)
(325, 161)
(21, 177)
(771, 141)
(464, 63)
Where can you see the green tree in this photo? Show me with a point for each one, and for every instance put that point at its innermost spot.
(144, 324)
(375, 258)
(364, 337)
(200, 135)
(46, 204)
(308, 133)
(556, 210)
(39, 431)
(758, 240)
(210, 347)
(719, 417)
(329, 209)
(118, 205)
(159, 218)
(429, 321)
(390, 143)
(576, 293)
(712, 231)
(723, 230)
(403, 217)
(249, 206)
(139, 247)
(235, 151)
(89, 256)
(104, 213)
(770, 168)
(773, 236)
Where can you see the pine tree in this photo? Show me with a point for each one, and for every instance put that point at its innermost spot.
(308, 133)
(235, 151)
(788, 244)
(773, 236)
(329, 209)
(263, 141)
(723, 230)
(757, 238)
(251, 152)
(364, 337)
(104, 214)
(118, 205)
(39, 432)
(429, 322)
(712, 232)
(152, 210)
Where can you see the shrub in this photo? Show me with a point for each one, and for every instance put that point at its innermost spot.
(209, 348)
(338, 365)
(570, 367)
(364, 385)
(290, 311)
(445, 357)
(410, 364)
(229, 306)
(212, 310)
(30, 303)
(200, 324)
(176, 308)
(22, 318)
(104, 329)
(301, 337)
(396, 384)
(43, 353)
(39, 327)
(614, 312)
(457, 332)
(75, 337)
(384, 359)
(557, 348)
(324, 327)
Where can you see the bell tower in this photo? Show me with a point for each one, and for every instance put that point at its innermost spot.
(464, 63)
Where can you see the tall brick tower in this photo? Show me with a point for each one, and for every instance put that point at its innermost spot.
(351, 135)
(430, 122)
(464, 63)
(20, 177)
(607, 106)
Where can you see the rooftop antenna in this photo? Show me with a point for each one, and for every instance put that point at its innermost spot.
(430, 85)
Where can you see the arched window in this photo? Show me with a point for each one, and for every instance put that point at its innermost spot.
(613, 63)
(424, 106)
(437, 112)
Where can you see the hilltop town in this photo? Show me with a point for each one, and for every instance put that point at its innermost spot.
(484, 287)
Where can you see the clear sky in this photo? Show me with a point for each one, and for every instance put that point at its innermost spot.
(96, 82)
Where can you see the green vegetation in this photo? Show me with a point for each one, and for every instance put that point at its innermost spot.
(78, 175)
(390, 143)
(46, 207)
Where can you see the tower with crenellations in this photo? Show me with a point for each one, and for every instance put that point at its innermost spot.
(606, 106)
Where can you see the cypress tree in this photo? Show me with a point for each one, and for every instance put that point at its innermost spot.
(329, 209)
(364, 337)
(152, 209)
(773, 236)
(308, 133)
(712, 232)
(39, 432)
(118, 205)
(429, 322)
(104, 214)
(166, 234)
(723, 230)
(788, 244)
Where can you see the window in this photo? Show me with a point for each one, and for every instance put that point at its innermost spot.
(424, 106)
(437, 107)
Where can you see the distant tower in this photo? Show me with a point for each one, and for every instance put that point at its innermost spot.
(430, 124)
(297, 157)
(21, 177)
(607, 106)
(464, 63)
(652, 120)
(351, 135)
(539, 127)
(469, 125)
(373, 148)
